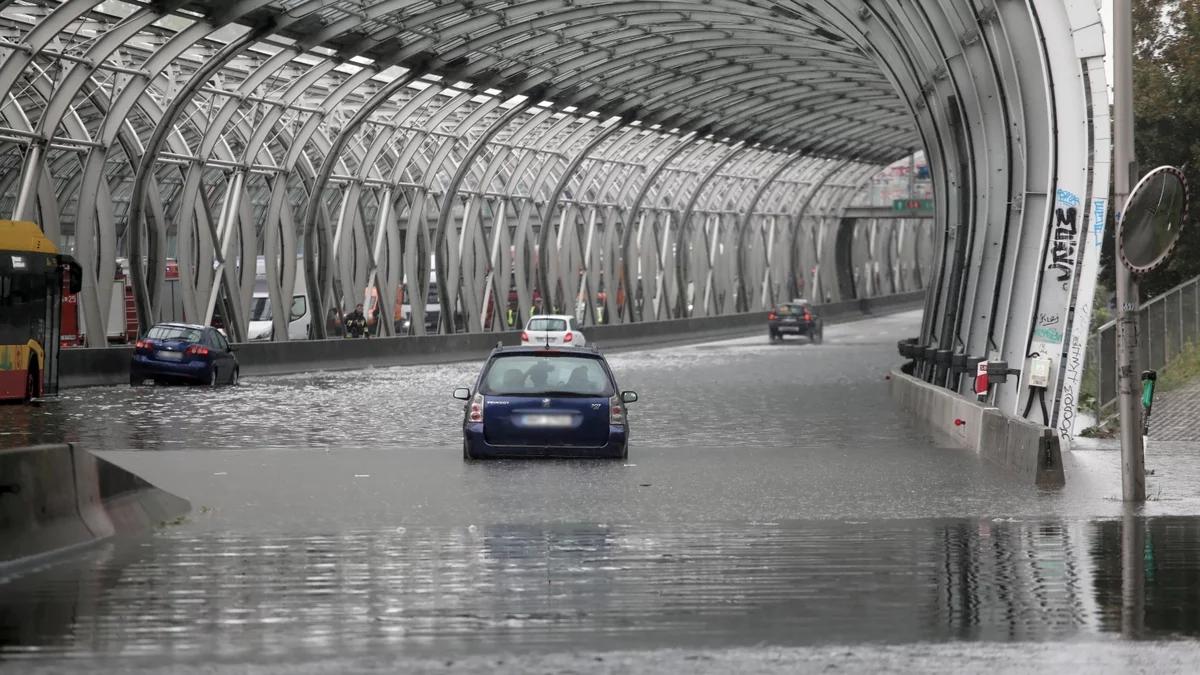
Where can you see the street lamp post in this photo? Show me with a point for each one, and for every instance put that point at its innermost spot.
(1133, 469)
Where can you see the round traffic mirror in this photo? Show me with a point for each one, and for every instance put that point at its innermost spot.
(1153, 219)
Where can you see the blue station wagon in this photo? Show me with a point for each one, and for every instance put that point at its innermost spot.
(538, 402)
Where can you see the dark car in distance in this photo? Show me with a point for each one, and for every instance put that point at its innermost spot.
(545, 402)
(183, 353)
(795, 318)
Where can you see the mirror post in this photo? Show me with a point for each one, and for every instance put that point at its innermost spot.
(1133, 466)
(1133, 460)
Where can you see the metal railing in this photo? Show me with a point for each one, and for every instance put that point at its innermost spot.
(1167, 324)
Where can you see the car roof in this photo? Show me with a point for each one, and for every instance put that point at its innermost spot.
(551, 316)
(174, 324)
(589, 351)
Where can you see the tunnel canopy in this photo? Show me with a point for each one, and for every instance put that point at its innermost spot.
(626, 160)
(775, 74)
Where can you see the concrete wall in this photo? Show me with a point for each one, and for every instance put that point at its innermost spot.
(109, 366)
(1019, 446)
(55, 497)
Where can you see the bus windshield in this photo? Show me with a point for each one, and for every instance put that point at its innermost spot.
(23, 298)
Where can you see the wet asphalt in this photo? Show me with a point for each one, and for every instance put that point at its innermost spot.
(776, 514)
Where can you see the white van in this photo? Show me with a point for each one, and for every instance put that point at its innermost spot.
(262, 325)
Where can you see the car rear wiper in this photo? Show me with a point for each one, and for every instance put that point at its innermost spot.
(572, 394)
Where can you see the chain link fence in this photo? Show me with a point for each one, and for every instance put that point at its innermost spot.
(1166, 326)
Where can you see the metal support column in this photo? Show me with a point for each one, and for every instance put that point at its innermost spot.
(1133, 466)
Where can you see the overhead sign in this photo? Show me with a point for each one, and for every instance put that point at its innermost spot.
(912, 204)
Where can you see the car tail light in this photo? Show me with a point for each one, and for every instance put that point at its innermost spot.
(524, 336)
(143, 346)
(476, 414)
(569, 337)
(807, 316)
(197, 350)
(616, 412)
(772, 316)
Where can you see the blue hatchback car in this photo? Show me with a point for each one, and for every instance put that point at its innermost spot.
(180, 352)
(538, 402)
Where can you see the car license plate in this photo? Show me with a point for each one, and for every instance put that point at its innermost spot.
(169, 356)
(548, 420)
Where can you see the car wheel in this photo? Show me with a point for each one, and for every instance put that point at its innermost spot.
(135, 381)
(467, 451)
(212, 377)
(234, 380)
(815, 336)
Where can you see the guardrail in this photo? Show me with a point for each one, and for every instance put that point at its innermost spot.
(56, 497)
(1167, 324)
(110, 365)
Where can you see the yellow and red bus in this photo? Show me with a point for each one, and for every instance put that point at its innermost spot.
(33, 278)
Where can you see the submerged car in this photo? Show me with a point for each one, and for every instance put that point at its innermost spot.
(550, 330)
(183, 353)
(795, 318)
(539, 402)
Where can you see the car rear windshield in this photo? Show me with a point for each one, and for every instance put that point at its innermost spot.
(548, 325)
(179, 333)
(542, 375)
(792, 310)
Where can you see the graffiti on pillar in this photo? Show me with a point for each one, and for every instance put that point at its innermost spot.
(1098, 206)
(1052, 315)
(1062, 244)
(1072, 378)
(1049, 328)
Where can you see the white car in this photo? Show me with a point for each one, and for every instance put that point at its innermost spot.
(552, 330)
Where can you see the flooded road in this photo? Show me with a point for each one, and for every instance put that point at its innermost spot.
(776, 514)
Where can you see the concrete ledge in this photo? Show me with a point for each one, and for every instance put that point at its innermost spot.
(109, 366)
(91, 367)
(1019, 446)
(57, 497)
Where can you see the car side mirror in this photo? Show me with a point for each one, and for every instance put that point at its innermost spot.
(629, 396)
(462, 393)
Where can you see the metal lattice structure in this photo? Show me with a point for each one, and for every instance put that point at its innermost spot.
(634, 160)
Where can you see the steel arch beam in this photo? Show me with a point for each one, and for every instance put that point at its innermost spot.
(317, 193)
(451, 192)
(145, 302)
(636, 205)
(556, 194)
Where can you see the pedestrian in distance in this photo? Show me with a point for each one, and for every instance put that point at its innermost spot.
(356, 323)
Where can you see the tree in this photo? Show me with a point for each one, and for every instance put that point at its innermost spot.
(1166, 89)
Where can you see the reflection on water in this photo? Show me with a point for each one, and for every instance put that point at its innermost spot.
(430, 591)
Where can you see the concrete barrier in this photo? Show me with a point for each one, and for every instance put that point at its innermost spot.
(1019, 446)
(109, 366)
(56, 497)
(90, 367)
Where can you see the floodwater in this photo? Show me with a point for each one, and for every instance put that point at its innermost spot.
(776, 514)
